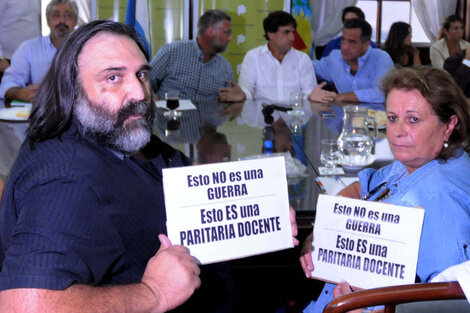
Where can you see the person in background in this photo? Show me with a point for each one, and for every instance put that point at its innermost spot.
(31, 60)
(428, 129)
(194, 67)
(348, 13)
(398, 45)
(19, 21)
(458, 66)
(450, 41)
(4, 64)
(357, 69)
(212, 147)
(275, 71)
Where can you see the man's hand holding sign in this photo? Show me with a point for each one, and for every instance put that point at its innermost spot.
(229, 210)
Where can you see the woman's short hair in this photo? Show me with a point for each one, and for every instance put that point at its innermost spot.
(442, 93)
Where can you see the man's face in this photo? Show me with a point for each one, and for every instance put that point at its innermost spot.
(351, 45)
(283, 39)
(223, 35)
(115, 105)
(61, 20)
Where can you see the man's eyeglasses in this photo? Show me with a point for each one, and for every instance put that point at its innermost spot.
(226, 32)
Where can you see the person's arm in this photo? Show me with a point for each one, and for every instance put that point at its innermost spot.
(346, 98)
(17, 75)
(231, 94)
(344, 288)
(458, 66)
(248, 74)
(416, 58)
(170, 278)
(437, 59)
(318, 94)
(26, 94)
(321, 69)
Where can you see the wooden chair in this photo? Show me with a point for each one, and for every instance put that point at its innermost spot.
(390, 297)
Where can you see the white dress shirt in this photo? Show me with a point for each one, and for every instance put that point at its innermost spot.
(262, 76)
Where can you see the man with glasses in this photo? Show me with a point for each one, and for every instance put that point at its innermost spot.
(194, 67)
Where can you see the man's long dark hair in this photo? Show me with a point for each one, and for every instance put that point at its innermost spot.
(53, 104)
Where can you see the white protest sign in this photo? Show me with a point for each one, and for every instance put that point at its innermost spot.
(228, 210)
(368, 244)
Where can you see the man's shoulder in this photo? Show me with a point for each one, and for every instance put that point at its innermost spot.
(56, 158)
(223, 61)
(378, 55)
(258, 49)
(334, 55)
(176, 46)
(300, 54)
(439, 44)
(34, 43)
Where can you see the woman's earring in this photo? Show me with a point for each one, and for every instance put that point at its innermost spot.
(446, 144)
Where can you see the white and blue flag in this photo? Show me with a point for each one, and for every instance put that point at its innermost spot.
(138, 17)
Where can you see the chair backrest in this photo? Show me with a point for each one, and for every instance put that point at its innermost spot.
(390, 297)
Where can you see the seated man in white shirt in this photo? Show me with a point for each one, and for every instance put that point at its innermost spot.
(275, 71)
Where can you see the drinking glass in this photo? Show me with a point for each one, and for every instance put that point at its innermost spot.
(297, 101)
(330, 155)
(296, 125)
(172, 102)
(172, 130)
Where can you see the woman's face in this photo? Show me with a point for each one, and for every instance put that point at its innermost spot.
(455, 31)
(407, 40)
(414, 131)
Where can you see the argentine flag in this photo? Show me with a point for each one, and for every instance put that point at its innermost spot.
(138, 17)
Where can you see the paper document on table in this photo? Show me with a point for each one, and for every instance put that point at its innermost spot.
(184, 105)
(228, 210)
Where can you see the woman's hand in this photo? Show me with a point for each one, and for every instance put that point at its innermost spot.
(306, 256)
(344, 288)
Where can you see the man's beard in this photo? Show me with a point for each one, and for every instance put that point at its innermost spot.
(115, 130)
(218, 46)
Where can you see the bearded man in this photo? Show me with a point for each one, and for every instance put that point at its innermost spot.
(83, 206)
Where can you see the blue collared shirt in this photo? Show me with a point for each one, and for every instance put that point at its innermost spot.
(180, 66)
(443, 190)
(29, 64)
(365, 84)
